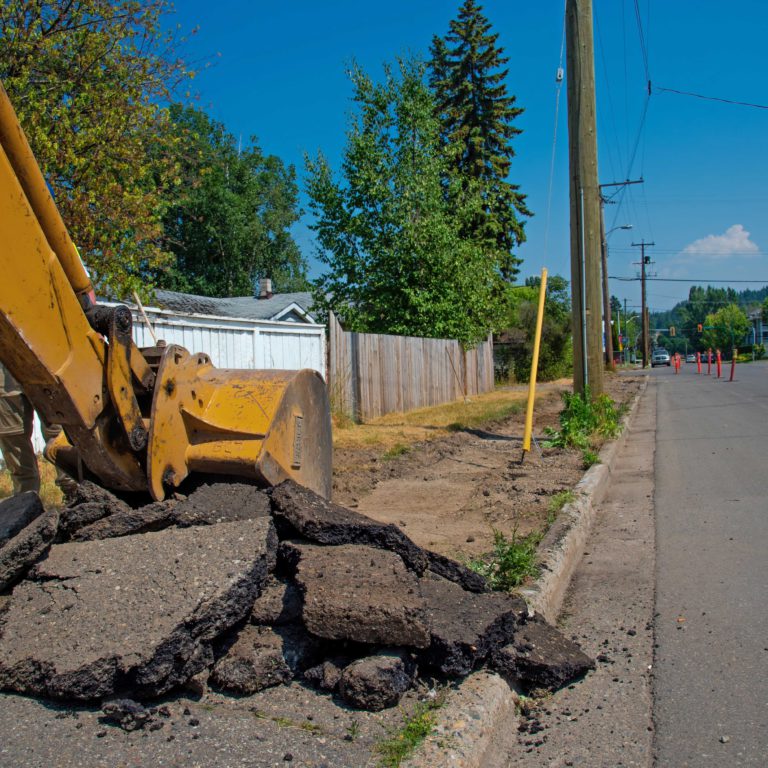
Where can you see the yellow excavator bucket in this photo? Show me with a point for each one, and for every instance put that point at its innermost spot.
(135, 419)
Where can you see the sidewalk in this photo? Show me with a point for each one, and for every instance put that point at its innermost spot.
(605, 719)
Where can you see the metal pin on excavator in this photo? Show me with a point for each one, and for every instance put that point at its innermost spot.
(134, 419)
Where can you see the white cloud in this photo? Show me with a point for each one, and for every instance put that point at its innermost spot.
(733, 242)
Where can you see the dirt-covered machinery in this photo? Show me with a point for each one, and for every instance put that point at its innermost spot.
(134, 419)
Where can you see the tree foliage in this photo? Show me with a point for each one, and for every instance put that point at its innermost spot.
(725, 328)
(556, 351)
(86, 79)
(477, 117)
(701, 305)
(397, 262)
(230, 219)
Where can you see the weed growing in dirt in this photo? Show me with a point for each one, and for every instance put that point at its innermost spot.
(287, 722)
(556, 503)
(584, 421)
(353, 731)
(512, 561)
(398, 449)
(416, 727)
(589, 458)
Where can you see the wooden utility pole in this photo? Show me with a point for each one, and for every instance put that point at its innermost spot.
(607, 329)
(585, 200)
(644, 260)
(607, 324)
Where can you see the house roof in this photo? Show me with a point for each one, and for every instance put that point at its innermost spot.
(278, 307)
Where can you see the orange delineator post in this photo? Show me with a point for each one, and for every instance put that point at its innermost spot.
(734, 352)
(698, 362)
(719, 363)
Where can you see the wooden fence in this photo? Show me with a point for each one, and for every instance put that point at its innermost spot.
(372, 374)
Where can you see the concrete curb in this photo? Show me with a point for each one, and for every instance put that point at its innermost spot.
(483, 704)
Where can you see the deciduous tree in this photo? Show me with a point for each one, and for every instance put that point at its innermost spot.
(726, 328)
(230, 219)
(397, 260)
(87, 79)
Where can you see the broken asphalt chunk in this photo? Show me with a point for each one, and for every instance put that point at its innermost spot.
(377, 682)
(359, 593)
(253, 662)
(541, 657)
(297, 510)
(279, 603)
(135, 614)
(466, 627)
(21, 552)
(17, 512)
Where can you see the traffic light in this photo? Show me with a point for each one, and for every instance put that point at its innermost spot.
(671, 330)
(699, 328)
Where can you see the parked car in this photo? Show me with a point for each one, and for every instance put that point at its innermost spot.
(660, 356)
(690, 357)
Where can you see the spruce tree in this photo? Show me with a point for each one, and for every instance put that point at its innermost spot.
(467, 75)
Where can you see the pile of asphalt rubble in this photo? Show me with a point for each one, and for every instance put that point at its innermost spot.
(239, 589)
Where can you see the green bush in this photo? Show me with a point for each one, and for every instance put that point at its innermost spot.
(583, 419)
(512, 561)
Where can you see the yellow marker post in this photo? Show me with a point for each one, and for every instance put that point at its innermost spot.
(534, 364)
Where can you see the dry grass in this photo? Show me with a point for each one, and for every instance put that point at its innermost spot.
(50, 494)
(394, 430)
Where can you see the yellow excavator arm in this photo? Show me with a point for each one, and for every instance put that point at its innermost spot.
(134, 419)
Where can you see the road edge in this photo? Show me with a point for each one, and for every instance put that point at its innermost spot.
(483, 704)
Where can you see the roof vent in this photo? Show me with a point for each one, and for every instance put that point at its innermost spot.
(265, 288)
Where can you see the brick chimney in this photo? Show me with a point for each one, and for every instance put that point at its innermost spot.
(265, 288)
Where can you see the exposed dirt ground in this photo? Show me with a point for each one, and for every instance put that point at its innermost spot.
(449, 494)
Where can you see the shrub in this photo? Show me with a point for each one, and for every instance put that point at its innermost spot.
(583, 419)
(512, 561)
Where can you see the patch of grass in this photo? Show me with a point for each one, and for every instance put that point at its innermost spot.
(511, 562)
(416, 727)
(584, 422)
(50, 494)
(589, 458)
(557, 502)
(398, 449)
(353, 730)
(431, 423)
(287, 722)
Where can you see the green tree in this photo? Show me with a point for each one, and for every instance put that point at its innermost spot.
(230, 220)
(87, 79)
(727, 328)
(556, 351)
(476, 113)
(391, 240)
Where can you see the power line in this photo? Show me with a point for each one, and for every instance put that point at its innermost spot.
(559, 85)
(643, 48)
(626, 279)
(697, 254)
(659, 89)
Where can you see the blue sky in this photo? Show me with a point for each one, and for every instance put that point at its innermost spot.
(277, 72)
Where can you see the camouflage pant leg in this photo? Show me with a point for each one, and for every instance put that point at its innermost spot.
(17, 449)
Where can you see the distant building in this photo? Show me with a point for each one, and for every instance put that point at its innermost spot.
(758, 334)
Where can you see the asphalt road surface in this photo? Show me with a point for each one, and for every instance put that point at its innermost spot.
(711, 498)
